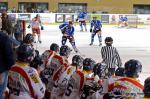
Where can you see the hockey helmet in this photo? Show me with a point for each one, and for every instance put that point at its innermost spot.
(25, 53)
(133, 68)
(65, 51)
(120, 71)
(146, 89)
(88, 64)
(108, 40)
(100, 69)
(54, 47)
(28, 38)
(77, 60)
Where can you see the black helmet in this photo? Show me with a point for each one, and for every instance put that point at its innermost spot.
(65, 51)
(108, 41)
(133, 68)
(54, 47)
(146, 89)
(88, 64)
(99, 69)
(120, 71)
(77, 60)
(37, 61)
(25, 53)
(28, 38)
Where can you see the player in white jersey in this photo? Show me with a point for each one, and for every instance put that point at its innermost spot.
(46, 58)
(61, 85)
(77, 81)
(129, 87)
(24, 81)
(57, 66)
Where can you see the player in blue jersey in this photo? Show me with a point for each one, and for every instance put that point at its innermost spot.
(82, 21)
(123, 21)
(96, 29)
(67, 30)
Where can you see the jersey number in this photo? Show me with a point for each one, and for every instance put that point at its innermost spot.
(14, 91)
(69, 90)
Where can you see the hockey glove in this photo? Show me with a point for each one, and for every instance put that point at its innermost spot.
(76, 20)
(42, 28)
(29, 26)
(91, 30)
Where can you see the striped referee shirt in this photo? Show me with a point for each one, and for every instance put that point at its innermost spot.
(110, 56)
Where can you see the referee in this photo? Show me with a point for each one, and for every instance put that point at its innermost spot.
(110, 56)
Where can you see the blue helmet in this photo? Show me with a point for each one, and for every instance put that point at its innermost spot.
(146, 89)
(133, 68)
(88, 64)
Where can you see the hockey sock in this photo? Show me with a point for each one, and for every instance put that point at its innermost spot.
(64, 39)
(92, 38)
(100, 38)
(81, 26)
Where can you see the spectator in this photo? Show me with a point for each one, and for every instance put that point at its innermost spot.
(6, 61)
(6, 24)
(110, 56)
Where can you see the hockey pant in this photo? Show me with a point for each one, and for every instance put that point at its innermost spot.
(99, 37)
(71, 40)
(83, 23)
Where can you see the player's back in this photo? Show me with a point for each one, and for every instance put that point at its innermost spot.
(24, 83)
(61, 84)
(57, 66)
(47, 57)
(127, 86)
(75, 85)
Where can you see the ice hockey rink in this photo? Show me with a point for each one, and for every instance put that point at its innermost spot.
(132, 43)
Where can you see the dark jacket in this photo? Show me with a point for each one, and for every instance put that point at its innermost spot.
(6, 53)
(6, 25)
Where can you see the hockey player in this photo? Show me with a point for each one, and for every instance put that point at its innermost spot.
(61, 85)
(129, 86)
(96, 29)
(36, 23)
(146, 89)
(77, 81)
(56, 67)
(23, 80)
(123, 21)
(82, 21)
(67, 30)
(48, 54)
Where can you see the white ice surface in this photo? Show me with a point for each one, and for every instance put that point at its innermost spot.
(132, 43)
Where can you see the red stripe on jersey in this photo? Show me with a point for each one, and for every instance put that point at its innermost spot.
(82, 79)
(24, 74)
(51, 52)
(90, 78)
(112, 86)
(57, 74)
(134, 82)
(59, 58)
